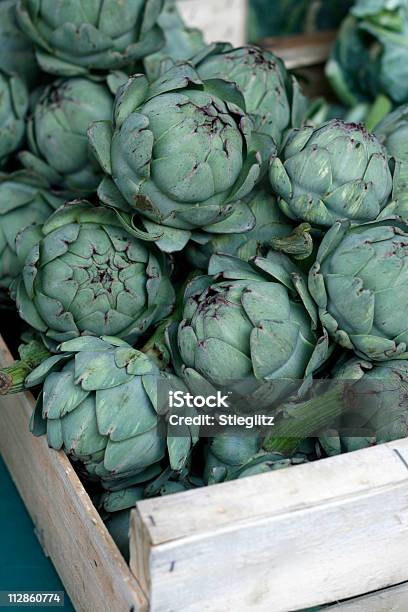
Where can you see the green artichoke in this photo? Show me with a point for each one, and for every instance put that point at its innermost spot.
(25, 199)
(380, 411)
(182, 43)
(370, 54)
(74, 37)
(13, 110)
(360, 284)
(250, 323)
(230, 457)
(272, 96)
(337, 171)
(270, 223)
(102, 409)
(392, 132)
(57, 133)
(84, 274)
(179, 153)
(16, 50)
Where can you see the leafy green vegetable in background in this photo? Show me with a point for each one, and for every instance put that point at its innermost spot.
(285, 17)
(370, 56)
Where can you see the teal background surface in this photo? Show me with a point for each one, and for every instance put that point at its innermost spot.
(23, 565)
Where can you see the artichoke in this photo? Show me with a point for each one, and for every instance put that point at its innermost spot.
(230, 457)
(115, 508)
(249, 326)
(370, 54)
(392, 132)
(74, 37)
(337, 171)
(13, 110)
(25, 199)
(380, 406)
(84, 274)
(57, 133)
(181, 42)
(16, 50)
(272, 96)
(102, 409)
(360, 284)
(270, 223)
(179, 153)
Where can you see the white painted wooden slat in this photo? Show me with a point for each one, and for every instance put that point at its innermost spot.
(282, 541)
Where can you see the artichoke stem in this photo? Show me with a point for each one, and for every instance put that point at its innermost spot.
(12, 379)
(295, 422)
(299, 244)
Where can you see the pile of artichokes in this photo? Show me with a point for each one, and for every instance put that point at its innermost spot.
(171, 218)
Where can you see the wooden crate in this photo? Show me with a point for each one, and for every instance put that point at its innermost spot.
(306, 55)
(314, 534)
(283, 541)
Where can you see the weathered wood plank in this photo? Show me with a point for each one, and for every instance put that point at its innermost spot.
(303, 49)
(94, 573)
(288, 540)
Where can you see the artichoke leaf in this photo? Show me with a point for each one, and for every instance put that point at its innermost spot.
(232, 267)
(110, 195)
(38, 166)
(248, 178)
(38, 376)
(129, 97)
(100, 134)
(240, 220)
(57, 66)
(99, 371)
(134, 454)
(227, 91)
(179, 76)
(133, 412)
(38, 425)
(60, 395)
